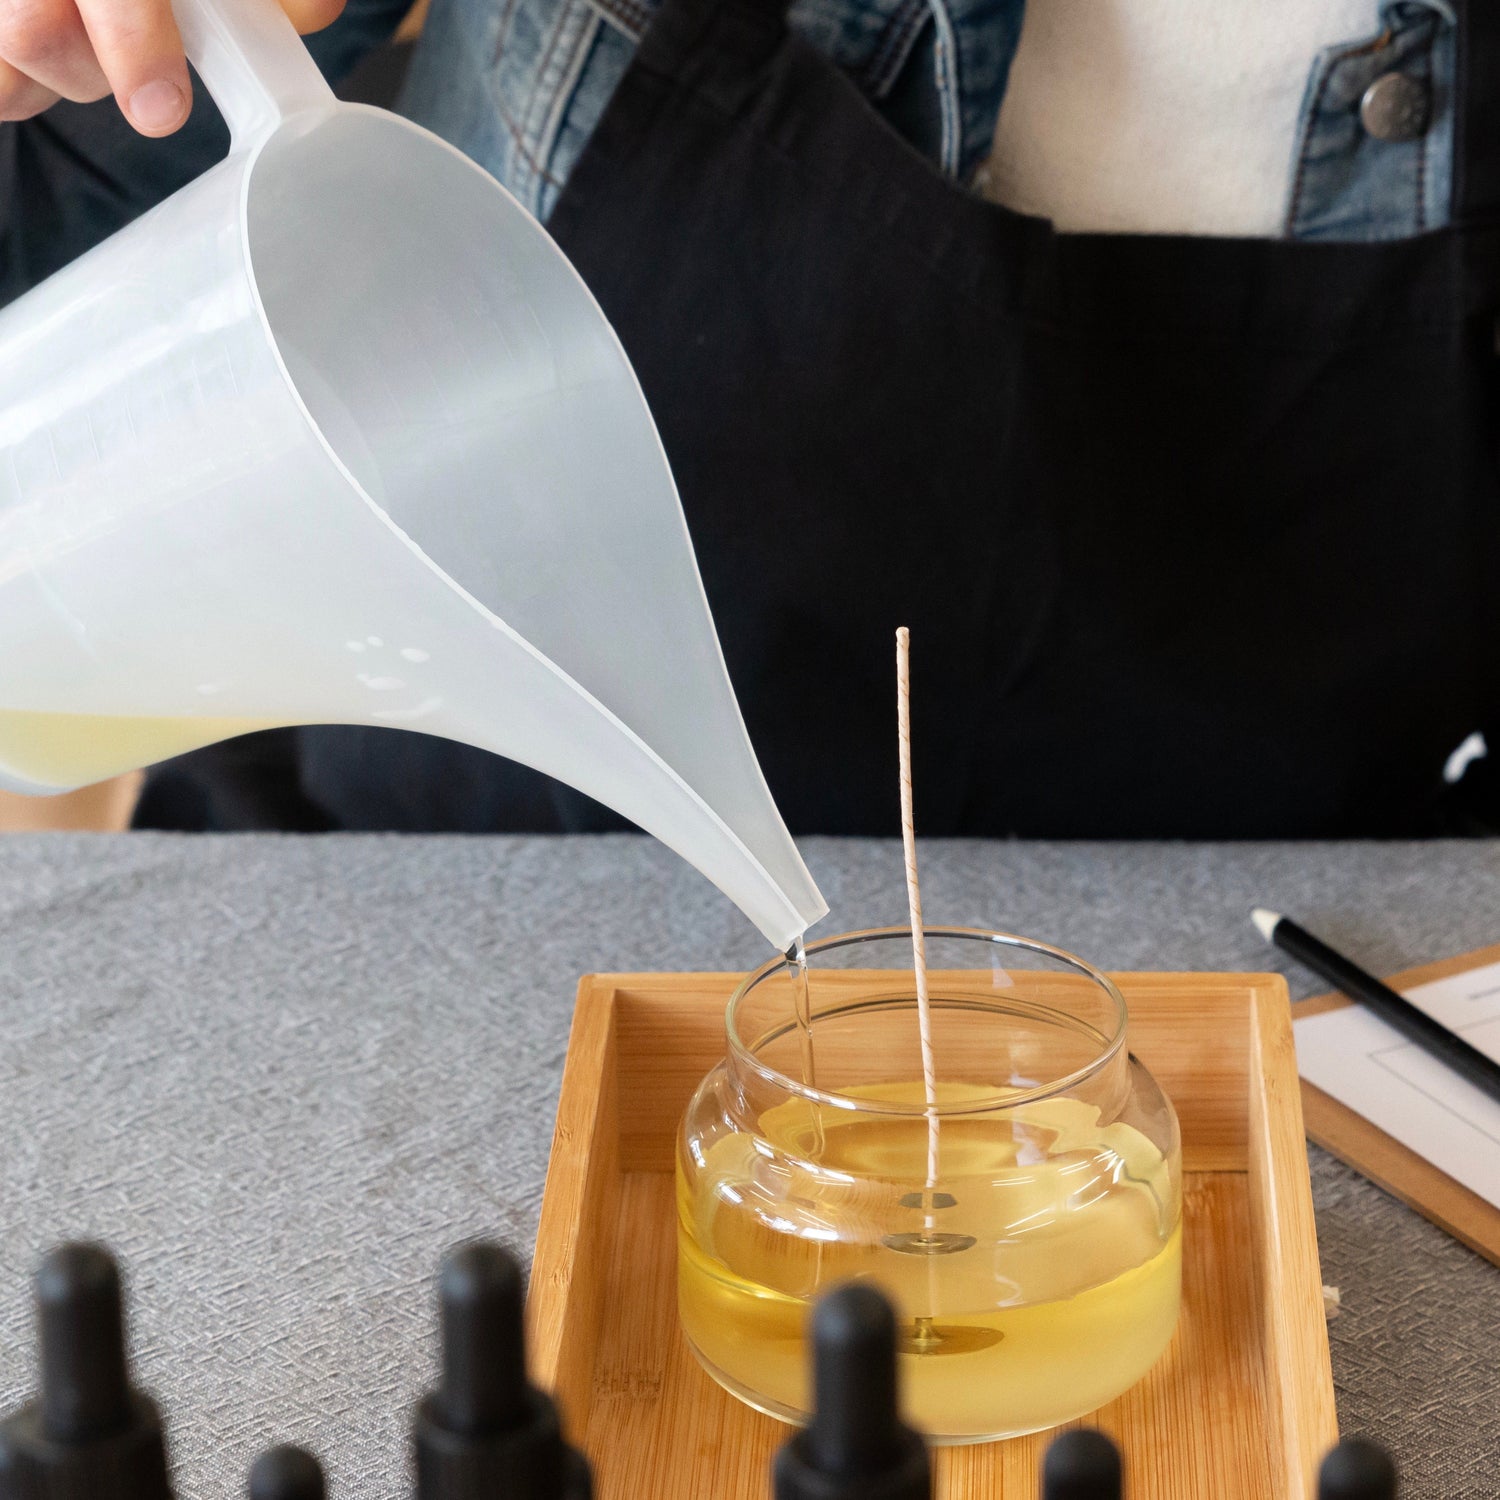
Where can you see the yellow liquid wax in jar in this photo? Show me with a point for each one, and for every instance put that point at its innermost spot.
(1057, 1286)
(70, 750)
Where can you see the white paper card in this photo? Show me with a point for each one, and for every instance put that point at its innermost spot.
(1370, 1067)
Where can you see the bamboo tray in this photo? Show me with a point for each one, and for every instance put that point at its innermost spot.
(1240, 1406)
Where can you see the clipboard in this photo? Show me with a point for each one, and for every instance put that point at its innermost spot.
(1388, 1163)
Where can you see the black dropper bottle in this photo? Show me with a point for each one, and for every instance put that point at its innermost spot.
(1357, 1470)
(287, 1473)
(88, 1432)
(856, 1447)
(1082, 1464)
(486, 1433)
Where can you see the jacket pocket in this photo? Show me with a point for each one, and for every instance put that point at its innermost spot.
(1374, 152)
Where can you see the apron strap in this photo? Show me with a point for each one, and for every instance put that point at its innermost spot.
(1476, 136)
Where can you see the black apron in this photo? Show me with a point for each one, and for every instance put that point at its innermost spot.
(1196, 537)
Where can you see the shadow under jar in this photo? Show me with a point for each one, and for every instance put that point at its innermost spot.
(1028, 1227)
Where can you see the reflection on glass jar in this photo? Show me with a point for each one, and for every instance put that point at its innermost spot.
(1037, 1270)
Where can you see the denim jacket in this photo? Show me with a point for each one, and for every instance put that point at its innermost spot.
(520, 84)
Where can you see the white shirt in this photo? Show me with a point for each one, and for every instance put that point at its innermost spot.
(1162, 115)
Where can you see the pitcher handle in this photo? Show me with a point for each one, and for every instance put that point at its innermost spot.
(254, 64)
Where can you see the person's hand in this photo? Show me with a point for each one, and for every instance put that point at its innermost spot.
(85, 49)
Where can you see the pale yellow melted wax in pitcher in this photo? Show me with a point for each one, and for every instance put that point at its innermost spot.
(70, 750)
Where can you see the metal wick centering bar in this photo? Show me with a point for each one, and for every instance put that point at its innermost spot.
(926, 1335)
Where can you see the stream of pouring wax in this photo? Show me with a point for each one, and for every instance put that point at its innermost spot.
(1056, 1286)
(69, 750)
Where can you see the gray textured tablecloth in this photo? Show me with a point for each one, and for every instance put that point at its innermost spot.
(280, 1075)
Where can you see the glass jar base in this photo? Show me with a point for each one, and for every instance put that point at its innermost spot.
(794, 1417)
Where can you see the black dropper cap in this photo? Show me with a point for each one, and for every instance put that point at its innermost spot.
(486, 1432)
(1357, 1470)
(1082, 1465)
(287, 1473)
(856, 1447)
(88, 1432)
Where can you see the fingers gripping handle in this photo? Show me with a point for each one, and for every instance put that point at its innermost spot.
(252, 62)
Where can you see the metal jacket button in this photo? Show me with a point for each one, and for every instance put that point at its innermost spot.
(1396, 107)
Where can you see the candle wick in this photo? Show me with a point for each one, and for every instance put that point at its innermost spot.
(914, 903)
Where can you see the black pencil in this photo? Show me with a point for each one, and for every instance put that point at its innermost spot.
(1416, 1025)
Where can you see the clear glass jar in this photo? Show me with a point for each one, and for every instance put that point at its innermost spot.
(1027, 1227)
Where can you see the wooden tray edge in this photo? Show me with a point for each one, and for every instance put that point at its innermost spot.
(1281, 1196)
(565, 1300)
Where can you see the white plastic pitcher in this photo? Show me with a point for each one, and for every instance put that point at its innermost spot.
(337, 435)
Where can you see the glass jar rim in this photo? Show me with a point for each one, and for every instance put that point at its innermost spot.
(1113, 1044)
